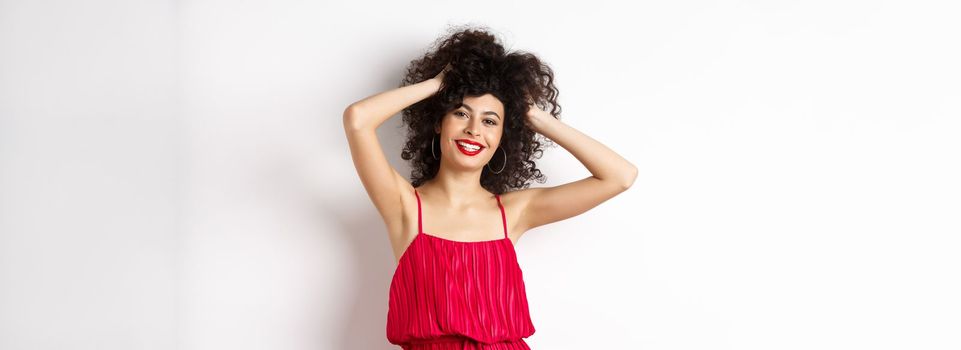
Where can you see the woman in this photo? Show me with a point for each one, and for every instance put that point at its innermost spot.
(472, 116)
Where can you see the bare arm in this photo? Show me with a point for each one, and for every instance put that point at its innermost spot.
(372, 111)
(381, 181)
(611, 175)
(604, 164)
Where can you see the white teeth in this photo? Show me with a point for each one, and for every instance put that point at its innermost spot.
(468, 146)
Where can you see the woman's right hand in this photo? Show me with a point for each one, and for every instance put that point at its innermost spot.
(440, 76)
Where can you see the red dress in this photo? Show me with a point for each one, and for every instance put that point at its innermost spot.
(449, 294)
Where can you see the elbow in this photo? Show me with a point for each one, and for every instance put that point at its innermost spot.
(352, 117)
(628, 180)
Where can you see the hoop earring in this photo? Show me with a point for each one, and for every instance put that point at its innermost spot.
(502, 166)
(432, 146)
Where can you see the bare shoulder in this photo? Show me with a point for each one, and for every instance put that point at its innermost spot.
(515, 205)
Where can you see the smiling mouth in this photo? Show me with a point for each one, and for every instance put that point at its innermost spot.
(468, 149)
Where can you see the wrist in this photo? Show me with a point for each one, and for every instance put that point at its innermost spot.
(434, 83)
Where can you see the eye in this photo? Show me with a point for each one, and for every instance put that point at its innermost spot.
(462, 114)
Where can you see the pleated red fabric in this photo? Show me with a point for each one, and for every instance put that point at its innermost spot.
(448, 294)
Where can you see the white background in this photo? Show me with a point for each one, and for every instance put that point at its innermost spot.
(174, 175)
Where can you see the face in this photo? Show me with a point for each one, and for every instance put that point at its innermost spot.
(478, 121)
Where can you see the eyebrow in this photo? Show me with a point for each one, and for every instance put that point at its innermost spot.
(485, 112)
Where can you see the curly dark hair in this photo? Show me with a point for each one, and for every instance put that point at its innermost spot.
(480, 65)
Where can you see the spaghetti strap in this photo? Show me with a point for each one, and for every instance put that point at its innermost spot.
(420, 229)
(503, 217)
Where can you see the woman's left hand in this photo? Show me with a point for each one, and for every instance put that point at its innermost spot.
(536, 117)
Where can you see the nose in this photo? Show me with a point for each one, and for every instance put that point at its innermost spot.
(470, 128)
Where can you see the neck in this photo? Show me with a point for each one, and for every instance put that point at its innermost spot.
(458, 188)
